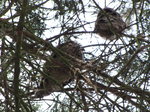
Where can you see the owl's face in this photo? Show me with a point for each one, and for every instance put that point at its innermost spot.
(109, 24)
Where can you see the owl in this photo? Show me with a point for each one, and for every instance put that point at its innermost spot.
(57, 70)
(109, 24)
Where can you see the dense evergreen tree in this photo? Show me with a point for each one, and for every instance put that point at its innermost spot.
(114, 75)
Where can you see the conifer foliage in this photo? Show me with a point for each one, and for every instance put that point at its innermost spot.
(101, 75)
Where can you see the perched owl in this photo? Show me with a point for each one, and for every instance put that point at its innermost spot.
(57, 69)
(109, 24)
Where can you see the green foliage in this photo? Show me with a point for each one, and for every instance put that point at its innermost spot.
(114, 75)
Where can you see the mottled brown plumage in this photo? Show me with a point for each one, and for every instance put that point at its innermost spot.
(57, 69)
(109, 24)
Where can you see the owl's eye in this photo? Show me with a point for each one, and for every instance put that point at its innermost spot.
(103, 20)
(46, 80)
(114, 14)
(54, 56)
